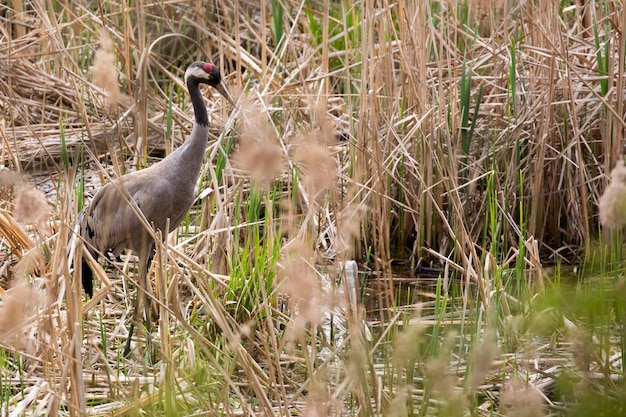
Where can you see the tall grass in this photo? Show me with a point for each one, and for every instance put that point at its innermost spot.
(465, 136)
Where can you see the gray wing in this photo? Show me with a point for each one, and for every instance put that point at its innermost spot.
(110, 222)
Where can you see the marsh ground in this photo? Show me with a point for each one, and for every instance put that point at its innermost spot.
(456, 150)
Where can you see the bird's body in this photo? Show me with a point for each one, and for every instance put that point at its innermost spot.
(165, 190)
(161, 191)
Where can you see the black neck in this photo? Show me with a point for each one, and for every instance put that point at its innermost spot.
(199, 109)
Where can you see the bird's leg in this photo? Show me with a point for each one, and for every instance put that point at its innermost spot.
(145, 293)
(111, 257)
(136, 316)
(141, 297)
(130, 333)
(134, 320)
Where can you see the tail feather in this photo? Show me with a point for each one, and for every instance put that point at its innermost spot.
(86, 272)
(87, 278)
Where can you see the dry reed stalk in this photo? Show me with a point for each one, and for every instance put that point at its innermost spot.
(537, 216)
(233, 334)
(369, 143)
(546, 140)
(14, 234)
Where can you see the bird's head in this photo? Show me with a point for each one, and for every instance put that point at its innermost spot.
(206, 73)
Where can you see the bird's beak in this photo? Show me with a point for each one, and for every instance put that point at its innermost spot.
(222, 90)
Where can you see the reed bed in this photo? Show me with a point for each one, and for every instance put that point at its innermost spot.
(456, 150)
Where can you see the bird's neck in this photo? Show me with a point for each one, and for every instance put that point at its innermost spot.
(196, 143)
(185, 162)
(197, 101)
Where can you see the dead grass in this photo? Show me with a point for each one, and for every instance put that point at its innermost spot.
(470, 136)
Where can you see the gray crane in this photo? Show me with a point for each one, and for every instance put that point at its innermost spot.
(165, 190)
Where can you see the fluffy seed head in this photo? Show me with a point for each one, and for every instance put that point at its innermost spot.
(259, 153)
(522, 400)
(317, 166)
(104, 70)
(302, 283)
(20, 306)
(612, 204)
(31, 206)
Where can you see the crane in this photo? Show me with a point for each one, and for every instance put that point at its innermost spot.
(165, 190)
